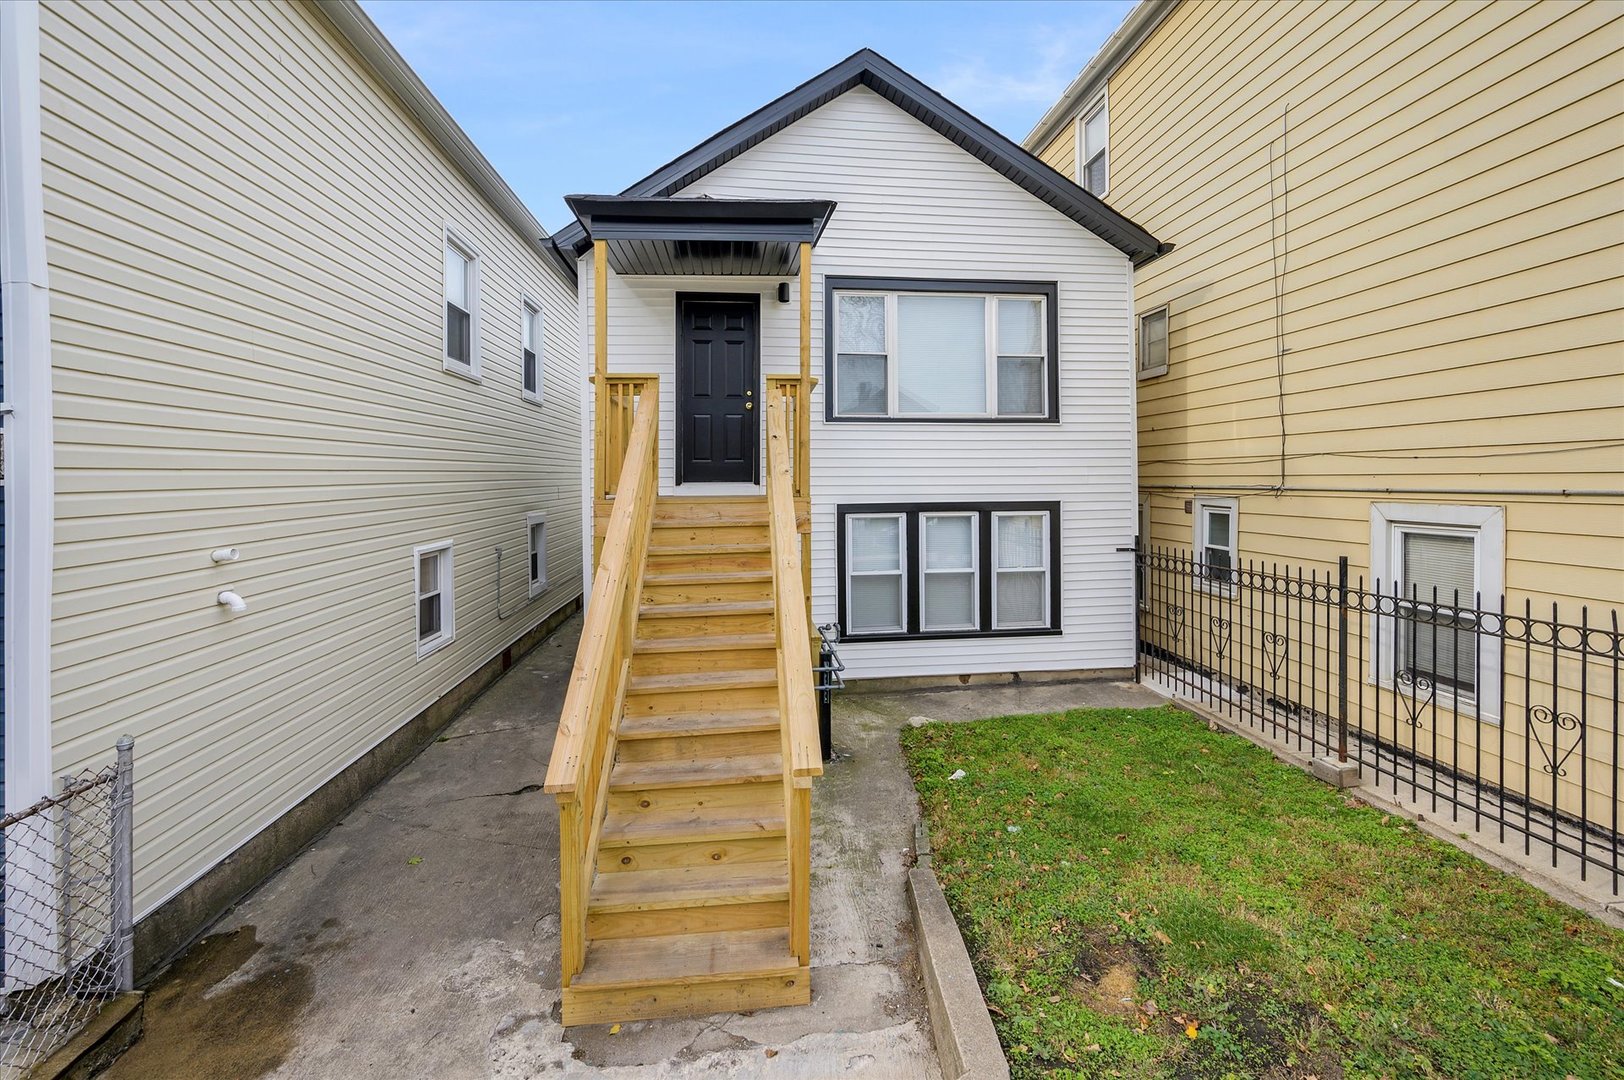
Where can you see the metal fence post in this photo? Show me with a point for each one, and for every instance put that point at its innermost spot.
(124, 866)
(65, 884)
(1342, 658)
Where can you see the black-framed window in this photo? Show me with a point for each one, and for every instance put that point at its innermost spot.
(908, 349)
(947, 570)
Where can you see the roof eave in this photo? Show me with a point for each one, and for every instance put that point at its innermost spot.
(1136, 27)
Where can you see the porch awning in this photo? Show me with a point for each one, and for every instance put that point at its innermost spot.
(701, 236)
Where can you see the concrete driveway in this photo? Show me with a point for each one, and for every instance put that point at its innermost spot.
(419, 937)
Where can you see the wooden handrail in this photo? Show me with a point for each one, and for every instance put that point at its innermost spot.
(584, 748)
(794, 634)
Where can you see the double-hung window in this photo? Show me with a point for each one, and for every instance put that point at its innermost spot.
(942, 350)
(530, 351)
(1435, 564)
(948, 570)
(436, 617)
(1093, 149)
(1215, 529)
(876, 561)
(1153, 343)
(461, 306)
(536, 534)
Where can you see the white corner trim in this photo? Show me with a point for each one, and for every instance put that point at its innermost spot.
(29, 464)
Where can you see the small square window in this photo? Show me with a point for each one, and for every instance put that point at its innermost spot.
(436, 617)
(536, 527)
(1215, 543)
(530, 352)
(1153, 342)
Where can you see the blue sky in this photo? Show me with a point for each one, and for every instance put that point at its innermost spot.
(590, 97)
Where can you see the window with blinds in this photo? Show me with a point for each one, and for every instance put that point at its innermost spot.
(947, 353)
(1436, 574)
(940, 570)
(1094, 150)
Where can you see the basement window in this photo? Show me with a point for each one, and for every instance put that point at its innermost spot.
(436, 617)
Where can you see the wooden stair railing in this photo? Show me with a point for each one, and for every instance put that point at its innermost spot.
(584, 748)
(798, 724)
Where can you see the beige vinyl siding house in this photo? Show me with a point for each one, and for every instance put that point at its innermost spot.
(246, 212)
(1395, 297)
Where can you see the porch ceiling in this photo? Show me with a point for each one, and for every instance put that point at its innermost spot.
(701, 236)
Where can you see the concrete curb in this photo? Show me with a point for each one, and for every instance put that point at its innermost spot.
(966, 1044)
(1556, 889)
(112, 1032)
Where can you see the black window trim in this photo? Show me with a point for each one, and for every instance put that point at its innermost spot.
(985, 568)
(1049, 290)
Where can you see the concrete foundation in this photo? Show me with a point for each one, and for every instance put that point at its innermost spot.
(1339, 774)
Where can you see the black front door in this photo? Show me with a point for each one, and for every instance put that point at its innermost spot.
(718, 408)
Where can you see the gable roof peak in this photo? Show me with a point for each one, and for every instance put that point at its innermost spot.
(867, 68)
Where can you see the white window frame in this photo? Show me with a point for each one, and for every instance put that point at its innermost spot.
(990, 331)
(1140, 344)
(448, 608)
(535, 559)
(974, 570)
(457, 241)
(1389, 522)
(1101, 106)
(533, 323)
(900, 573)
(1048, 571)
(1202, 504)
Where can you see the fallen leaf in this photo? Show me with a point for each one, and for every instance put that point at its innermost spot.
(1191, 1028)
(1150, 1008)
(614, 1029)
(414, 860)
(770, 1052)
(1163, 938)
(1125, 916)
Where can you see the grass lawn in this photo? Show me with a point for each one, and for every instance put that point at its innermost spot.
(1145, 897)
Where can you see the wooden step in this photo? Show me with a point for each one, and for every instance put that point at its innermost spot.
(707, 577)
(690, 827)
(697, 724)
(699, 681)
(710, 512)
(705, 643)
(713, 772)
(661, 546)
(703, 610)
(685, 975)
(690, 886)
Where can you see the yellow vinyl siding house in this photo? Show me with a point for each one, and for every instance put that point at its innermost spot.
(1391, 327)
(247, 215)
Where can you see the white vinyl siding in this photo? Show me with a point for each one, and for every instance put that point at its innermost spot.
(246, 238)
(914, 205)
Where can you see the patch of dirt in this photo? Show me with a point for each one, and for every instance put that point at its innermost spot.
(1268, 1039)
(1106, 974)
(204, 1021)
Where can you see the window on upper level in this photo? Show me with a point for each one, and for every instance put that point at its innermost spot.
(530, 351)
(461, 306)
(942, 350)
(1153, 343)
(1093, 149)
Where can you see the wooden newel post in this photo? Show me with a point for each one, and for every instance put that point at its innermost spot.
(803, 440)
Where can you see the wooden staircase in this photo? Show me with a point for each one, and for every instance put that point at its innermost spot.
(689, 802)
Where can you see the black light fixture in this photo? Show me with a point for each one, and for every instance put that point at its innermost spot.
(783, 292)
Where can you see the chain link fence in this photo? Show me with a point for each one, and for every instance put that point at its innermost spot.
(65, 912)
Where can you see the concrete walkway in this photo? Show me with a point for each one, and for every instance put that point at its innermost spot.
(419, 937)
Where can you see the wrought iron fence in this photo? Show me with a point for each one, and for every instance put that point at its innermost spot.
(65, 897)
(1506, 716)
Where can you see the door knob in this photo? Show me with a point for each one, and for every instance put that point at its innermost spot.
(748, 405)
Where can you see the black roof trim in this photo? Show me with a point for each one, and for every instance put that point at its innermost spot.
(868, 68)
(604, 217)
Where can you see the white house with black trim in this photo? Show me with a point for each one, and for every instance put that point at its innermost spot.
(972, 439)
